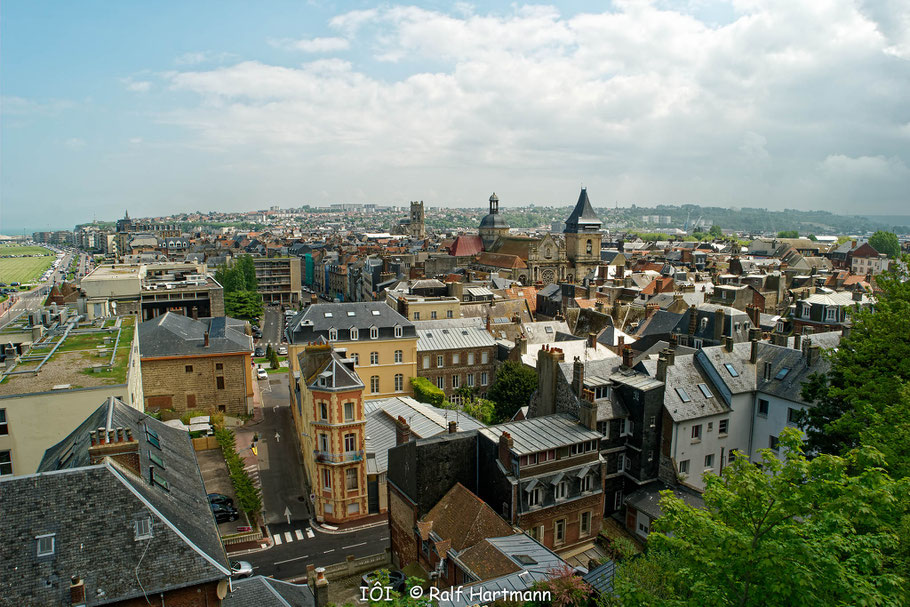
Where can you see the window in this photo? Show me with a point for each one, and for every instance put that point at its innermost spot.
(782, 373)
(374, 384)
(589, 247)
(399, 382)
(188, 368)
(399, 356)
(831, 314)
(763, 407)
(398, 331)
(710, 426)
(470, 380)
(324, 411)
(348, 412)
(652, 421)
(484, 358)
(350, 479)
(456, 380)
(723, 426)
(426, 362)
(559, 531)
(585, 523)
(143, 528)
(483, 378)
(456, 358)
(536, 533)
(155, 459)
(731, 370)
(333, 334)
(683, 395)
(684, 467)
(731, 457)
(159, 480)
(355, 334)
(441, 382)
(219, 366)
(440, 361)
(323, 442)
(432, 314)
(534, 497)
(374, 333)
(45, 544)
(625, 427)
(586, 483)
(805, 310)
(696, 432)
(152, 437)
(617, 500)
(326, 480)
(448, 314)
(709, 460)
(350, 443)
(792, 415)
(219, 383)
(416, 315)
(4, 427)
(773, 443)
(546, 456)
(704, 390)
(356, 358)
(6, 463)
(374, 358)
(604, 428)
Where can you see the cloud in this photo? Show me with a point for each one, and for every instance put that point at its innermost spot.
(313, 45)
(137, 86)
(655, 103)
(197, 57)
(74, 143)
(866, 167)
(21, 106)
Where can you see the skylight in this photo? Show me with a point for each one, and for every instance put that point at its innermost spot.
(548, 329)
(349, 313)
(704, 390)
(524, 559)
(731, 370)
(375, 312)
(159, 480)
(157, 460)
(683, 395)
(327, 314)
(782, 373)
(152, 438)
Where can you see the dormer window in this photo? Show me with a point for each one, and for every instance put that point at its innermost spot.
(45, 544)
(374, 332)
(333, 334)
(398, 331)
(143, 529)
(805, 310)
(355, 334)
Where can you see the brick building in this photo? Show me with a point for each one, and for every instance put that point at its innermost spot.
(200, 364)
(454, 354)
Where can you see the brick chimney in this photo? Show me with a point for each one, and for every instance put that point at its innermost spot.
(118, 445)
(661, 367)
(205, 339)
(587, 410)
(693, 320)
(812, 354)
(505, 450)
(77, 592)
(592, 340)
(719, 316)
(453, 427)
(754, 314)
(627, 356)
(620, 344)
(754, 335)
(402, 431)
(578, 377)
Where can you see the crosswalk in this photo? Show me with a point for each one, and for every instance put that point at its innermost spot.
(253, 471)
(286, 537)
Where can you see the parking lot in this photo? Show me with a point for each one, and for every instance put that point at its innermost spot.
(216, 480)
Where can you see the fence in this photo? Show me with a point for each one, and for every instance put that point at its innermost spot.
(355, 566)
(204, 443)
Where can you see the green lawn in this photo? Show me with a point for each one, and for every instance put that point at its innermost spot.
(23, 269)
(17, 250)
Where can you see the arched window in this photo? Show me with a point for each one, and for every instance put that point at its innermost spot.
(548, 253)
(355, 334)
(374, 333)
(589, 246)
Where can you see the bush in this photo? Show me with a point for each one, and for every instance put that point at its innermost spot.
(426, 392)
(248, 495)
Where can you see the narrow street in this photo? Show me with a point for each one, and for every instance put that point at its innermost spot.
(272, 327)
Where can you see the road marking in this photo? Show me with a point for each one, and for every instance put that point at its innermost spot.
(298, 534)
(287, 537)
(327, 551)
(354, 545)
(296, 558)
(383, 538)
(309, 533)
(277, 538)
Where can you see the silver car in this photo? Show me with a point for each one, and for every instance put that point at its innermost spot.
(240, 569)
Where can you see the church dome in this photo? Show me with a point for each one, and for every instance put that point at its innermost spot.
(493, 220)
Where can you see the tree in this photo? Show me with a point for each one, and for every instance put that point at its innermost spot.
(564, 589)
(887, 243)
(274, 363)
(512, 388)
(812, 237)
(870, 370)
(481, 409)
(245, 305)
(792, 531)
(788, 234)
(716, 232)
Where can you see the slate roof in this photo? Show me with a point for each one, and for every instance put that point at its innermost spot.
(583, 217)
(601, 578)
(93, 509)
(260, 591)
(541, 433)
(317, 319)
(425, 421)
(647, 498)
(335, 375)
(461, 334)
(177, 335)
(685, 375)
(465, 519)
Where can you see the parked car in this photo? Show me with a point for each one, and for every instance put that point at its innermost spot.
(261, 373)
(396, 579)
(282, 351)
(257, 334)
(224, 514)
(259, 352)
(241, 569)
(220, 498)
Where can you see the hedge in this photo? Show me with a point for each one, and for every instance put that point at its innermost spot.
(426, 392)
(248, 495)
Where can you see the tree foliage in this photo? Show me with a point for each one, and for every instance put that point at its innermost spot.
(788, 234)
(241, 298)
(887, 243)
(248, 495)
(716, 231)
(512, 388)
(245, 305)
(792, 531)
(426, 392)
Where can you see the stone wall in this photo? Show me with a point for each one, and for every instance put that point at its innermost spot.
(192, 383)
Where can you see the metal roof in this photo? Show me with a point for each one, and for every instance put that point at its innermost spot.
(452, 338)
(541, 433)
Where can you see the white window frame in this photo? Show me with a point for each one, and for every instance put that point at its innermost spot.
(561, 490)
(142, 528)
(534, 497)
(350, 448)
(683, 466)
(333, 334)
(456, 358)
(374, 332)
(347, 407)
(484, 378)
(399, 382)
(374, 384)
(470, 358)
(469, 380)
(399, 356)
(484, 357)
(348, 477)
(355, 334)
(426, 362)
(456, 381)
(584, 529)
(47, 551)
(709, 461)
(374, 358)
(440, 361)
(441, 382)
(398, 331)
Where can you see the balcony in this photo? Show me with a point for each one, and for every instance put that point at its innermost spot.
(327, 457)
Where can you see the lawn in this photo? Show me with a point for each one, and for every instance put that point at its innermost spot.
(17, 250)
(23, 269)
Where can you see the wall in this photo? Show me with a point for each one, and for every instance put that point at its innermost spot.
(168, 378)
(770, 425)
(462, 369)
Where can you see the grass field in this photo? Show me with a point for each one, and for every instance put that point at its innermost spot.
(23, 269)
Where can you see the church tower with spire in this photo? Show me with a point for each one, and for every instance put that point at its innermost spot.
(583, 237)
(493, 225)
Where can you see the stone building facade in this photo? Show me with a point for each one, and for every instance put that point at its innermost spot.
(455, 354)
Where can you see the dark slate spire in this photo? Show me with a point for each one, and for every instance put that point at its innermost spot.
(583, 217)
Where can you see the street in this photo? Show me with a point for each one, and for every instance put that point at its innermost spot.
(272, 326)
(33, 299)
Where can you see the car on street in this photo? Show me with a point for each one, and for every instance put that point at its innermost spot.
(282, 351)
(261, 373)
(241, 569)
(224, 514)
(259, 352)
(257, 334)
(220, 498)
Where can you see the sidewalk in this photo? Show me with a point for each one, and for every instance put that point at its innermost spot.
(367, 522)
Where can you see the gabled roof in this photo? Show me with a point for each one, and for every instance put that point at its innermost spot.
(335, 375)
(465, 519)
(465, 246)
(498, 260)
(177, 335)
(263, 591)
(583, 217)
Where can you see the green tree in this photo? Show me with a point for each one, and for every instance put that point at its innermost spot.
(788, 234)
(812, 237)
(870, 371)
(825, 531)
(887, 243)
(481, 409)
(426, 392)
(245, 305)
(716, 231)
(512, 388)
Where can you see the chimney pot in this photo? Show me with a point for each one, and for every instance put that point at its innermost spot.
(453, 427)
(662, 367)
(205, 337)
(627, 356)
(94, 437)
(102, 436)
(129, 434)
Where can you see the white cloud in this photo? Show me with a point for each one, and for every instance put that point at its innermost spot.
(135, 140)
(136, 86)
(654, 103)
(197, 57)
(867, 167)
(313, 45)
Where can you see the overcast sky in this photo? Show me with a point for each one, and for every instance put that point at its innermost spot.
(178, 106)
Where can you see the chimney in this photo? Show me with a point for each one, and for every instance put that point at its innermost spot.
(650, 309)
(578, 377)
(453, 427)
(627, 282)
(314, 299)
(123, 449)
(754, 314)
(661, 367)
(321, 588)
(522, 343)
(620, 343)
(205, 339)
(753, 337)
(797, 339)
(674, 341)
(311, 576)
(592, 340)
(402, 431)
(728, 344)
(77, 592)
(587, 411)
(671, 356)
(627, 356)
(857, 294)
(195, 312)
(488, 323)
(94, 437)
(812, 354)
(693, 320)
(505, 450)
(719, 315)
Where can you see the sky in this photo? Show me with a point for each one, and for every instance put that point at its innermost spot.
(181, 106)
